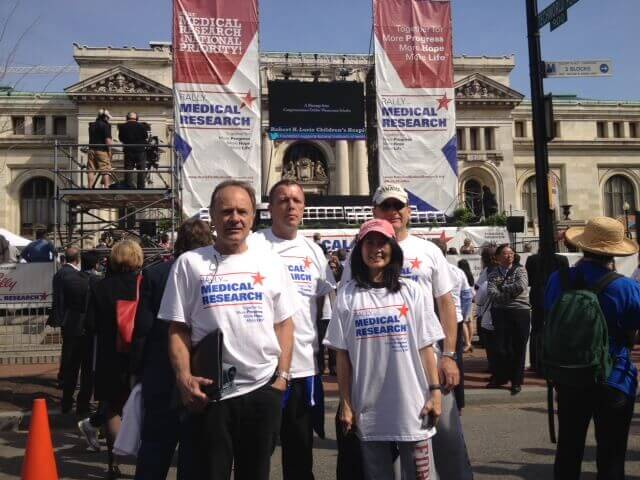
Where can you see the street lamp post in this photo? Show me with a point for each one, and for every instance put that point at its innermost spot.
(625, 208)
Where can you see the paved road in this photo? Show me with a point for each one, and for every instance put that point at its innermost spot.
(507, 442)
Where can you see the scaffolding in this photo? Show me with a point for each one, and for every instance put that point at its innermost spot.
(83, 211)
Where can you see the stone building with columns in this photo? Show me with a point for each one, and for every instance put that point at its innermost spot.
(595, 158)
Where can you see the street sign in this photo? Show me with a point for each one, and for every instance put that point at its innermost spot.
(556, 9)
(551, 12)
(559, 20)
(584, 68)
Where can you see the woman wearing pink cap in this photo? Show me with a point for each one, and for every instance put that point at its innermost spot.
(383, 334)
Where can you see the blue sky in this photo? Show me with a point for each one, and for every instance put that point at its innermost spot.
(596, 30)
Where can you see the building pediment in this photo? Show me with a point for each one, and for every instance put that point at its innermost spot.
(119, 84)
(478, 89)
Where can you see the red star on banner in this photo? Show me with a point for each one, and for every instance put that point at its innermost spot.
(404, 310)
(44, 296)
(247, 100)
(415, 264)
(257, 278)
(444, 102)
(444, 238)
(307, 263)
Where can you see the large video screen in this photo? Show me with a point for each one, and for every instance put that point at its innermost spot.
(316, 110)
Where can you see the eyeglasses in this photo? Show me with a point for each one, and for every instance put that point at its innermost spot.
(386, 206)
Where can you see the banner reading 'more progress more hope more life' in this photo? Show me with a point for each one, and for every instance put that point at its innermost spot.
(415, 93)
(216, 95)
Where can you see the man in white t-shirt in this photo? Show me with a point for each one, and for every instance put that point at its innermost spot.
(425, 264)
(309, 270)
(462, 299)
(245, 293)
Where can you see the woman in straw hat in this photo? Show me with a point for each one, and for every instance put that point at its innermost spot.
(610, 404)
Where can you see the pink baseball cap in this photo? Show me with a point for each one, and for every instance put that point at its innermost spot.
(376, 225)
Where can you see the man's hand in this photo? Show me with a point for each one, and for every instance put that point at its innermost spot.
(433, 407)
(347, 418)
(193, 398)
(280, 384)
(449, 373)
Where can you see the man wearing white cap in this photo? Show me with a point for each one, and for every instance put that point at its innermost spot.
(425, 264)
(99, 155)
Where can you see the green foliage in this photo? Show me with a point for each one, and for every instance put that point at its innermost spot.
(462, 216)
(497, 220)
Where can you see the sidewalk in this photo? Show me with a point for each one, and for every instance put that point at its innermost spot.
(21, 384)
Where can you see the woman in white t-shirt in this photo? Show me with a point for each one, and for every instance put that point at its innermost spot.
(387, 374)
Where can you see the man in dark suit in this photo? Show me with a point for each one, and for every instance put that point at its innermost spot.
(161, 428)
(70, 291)
(536, 299)
(133, 135)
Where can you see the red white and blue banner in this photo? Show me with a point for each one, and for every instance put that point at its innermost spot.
(415, 93)
(26, 283)
(216, 78)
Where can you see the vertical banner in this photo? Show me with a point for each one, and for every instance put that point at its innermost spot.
(216, 79)
(415, 100)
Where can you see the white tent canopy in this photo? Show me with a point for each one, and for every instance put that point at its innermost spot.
(13, 239)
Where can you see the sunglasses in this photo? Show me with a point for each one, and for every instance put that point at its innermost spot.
(386, 206)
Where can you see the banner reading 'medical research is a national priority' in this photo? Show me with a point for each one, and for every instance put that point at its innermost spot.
(415, 100)
(216, 95)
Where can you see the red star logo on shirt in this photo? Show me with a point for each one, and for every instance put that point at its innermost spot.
(257, 278)
(444, 102)
(444, 238)
(415, 264)
(247, 100)
(307, 263)
(403, 311)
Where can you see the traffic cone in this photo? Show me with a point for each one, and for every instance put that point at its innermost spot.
(39, 462)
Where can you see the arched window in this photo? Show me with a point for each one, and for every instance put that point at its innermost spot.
(529, 199)
(305, 163)
(617, 191)
(36, 205)
(473, 196)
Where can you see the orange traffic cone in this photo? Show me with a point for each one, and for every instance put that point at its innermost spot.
(39, 462)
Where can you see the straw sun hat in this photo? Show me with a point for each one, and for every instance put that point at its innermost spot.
(602, 235)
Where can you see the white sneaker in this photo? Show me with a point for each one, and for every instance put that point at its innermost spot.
(90, 434)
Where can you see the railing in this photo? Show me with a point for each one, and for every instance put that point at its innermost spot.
(24, 335)
(71, 165)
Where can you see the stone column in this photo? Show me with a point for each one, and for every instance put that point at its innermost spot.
(361, 172)
(342, 167)
(481, 140)
(467, 138)
(48, 125)
(267, 149)
(609, 129)
(626, 130)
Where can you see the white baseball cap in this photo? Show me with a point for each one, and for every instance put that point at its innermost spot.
(390, 190)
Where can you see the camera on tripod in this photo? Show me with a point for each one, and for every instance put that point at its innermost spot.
(152, 149)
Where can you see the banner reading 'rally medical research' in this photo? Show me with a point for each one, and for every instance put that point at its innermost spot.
(216, 95)
(415, 93)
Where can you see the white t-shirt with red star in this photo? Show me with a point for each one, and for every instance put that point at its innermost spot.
(425, 264)
(460, 283)
(310, 272)
(383, 333)
(243, 295)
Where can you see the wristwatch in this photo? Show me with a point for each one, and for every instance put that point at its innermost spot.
(452, 355)
(286, 376)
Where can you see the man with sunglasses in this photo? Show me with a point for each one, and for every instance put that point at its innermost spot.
(425, 264)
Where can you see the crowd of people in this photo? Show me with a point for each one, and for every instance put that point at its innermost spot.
(395, 315)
